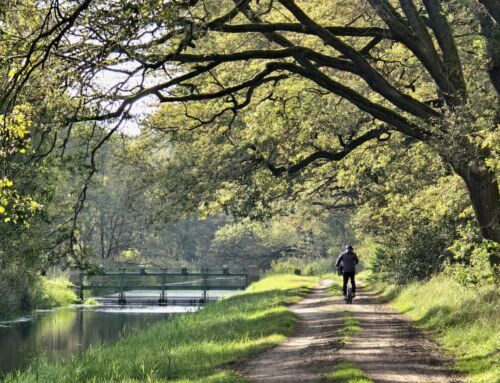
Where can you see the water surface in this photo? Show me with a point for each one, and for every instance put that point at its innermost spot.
(67, 331)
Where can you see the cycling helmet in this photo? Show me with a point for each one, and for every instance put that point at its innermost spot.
(349, 247)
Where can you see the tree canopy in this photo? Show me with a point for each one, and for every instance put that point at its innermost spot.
(267, 99)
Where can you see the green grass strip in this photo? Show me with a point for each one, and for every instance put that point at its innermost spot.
(347, 373)
(351, 326)
(335, 287)
(190, 348)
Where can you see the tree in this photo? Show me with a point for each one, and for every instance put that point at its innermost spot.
(411, 206)
(406, 66)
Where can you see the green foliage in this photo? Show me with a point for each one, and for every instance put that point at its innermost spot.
(470, 264)
(307, 266)
(188, 348)
(346, 372)
(91, 302)
(50, 293)
(15, 141)
(15, 297)
(465, 320)
(21, 292)
(411, 216)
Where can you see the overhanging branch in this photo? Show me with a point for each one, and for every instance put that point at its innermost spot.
(324, 155)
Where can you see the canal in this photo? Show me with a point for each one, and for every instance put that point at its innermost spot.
(67, 331)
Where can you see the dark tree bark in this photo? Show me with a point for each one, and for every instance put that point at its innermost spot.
(489, 16)
(483, 192)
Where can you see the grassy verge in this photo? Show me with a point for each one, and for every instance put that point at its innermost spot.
(190, 348)
(465, 320)
(347, 373)
(351, 326)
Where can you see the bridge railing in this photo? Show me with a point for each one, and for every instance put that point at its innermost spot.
(204, 280)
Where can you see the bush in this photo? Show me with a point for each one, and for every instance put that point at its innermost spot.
(418, 259)
(50, 293)
(21, 292)
(307, 266)
(15, 294)
(469, 264)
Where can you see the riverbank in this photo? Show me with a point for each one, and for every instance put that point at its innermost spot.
(190, 348)
(19, 296)
(465, 320)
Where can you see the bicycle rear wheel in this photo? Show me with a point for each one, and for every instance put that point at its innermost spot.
(349, 295)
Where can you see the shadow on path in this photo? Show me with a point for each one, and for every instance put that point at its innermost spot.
(311, 350)
(389, 348)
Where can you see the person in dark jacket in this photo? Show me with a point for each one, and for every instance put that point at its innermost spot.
(349, 260)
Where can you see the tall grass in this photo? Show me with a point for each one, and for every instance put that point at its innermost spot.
(465, 320)
(192, 347)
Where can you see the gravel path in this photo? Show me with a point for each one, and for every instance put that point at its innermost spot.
(389, 348)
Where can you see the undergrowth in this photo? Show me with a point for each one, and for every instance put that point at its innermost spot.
(50, 293)
(19, 295)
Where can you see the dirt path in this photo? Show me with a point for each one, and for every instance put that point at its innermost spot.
(388, 348)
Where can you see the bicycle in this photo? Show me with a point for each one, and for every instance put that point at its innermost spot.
(349, 295)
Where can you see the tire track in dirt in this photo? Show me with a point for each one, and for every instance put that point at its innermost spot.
(309, 351)
(389, 348)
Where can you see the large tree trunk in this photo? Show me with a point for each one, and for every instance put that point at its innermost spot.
(483, 191)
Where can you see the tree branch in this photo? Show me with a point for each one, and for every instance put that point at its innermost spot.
(324, 155)
(420, 44)
(372, 77)
(300, 28)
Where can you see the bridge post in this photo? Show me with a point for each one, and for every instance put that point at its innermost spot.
(163, 298)
(80, 289)
(205, 277)
(121, 297)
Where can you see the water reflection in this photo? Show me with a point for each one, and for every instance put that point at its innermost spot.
(67, 331)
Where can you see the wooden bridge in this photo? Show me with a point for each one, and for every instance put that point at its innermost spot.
(129, 287)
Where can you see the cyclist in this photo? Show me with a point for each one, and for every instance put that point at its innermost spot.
(349, 260)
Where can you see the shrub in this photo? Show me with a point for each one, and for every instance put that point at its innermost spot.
(307, 266)
(469, 264)
(21, 292)
(15, 294)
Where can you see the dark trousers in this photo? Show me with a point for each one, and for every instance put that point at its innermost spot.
(347, 276)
